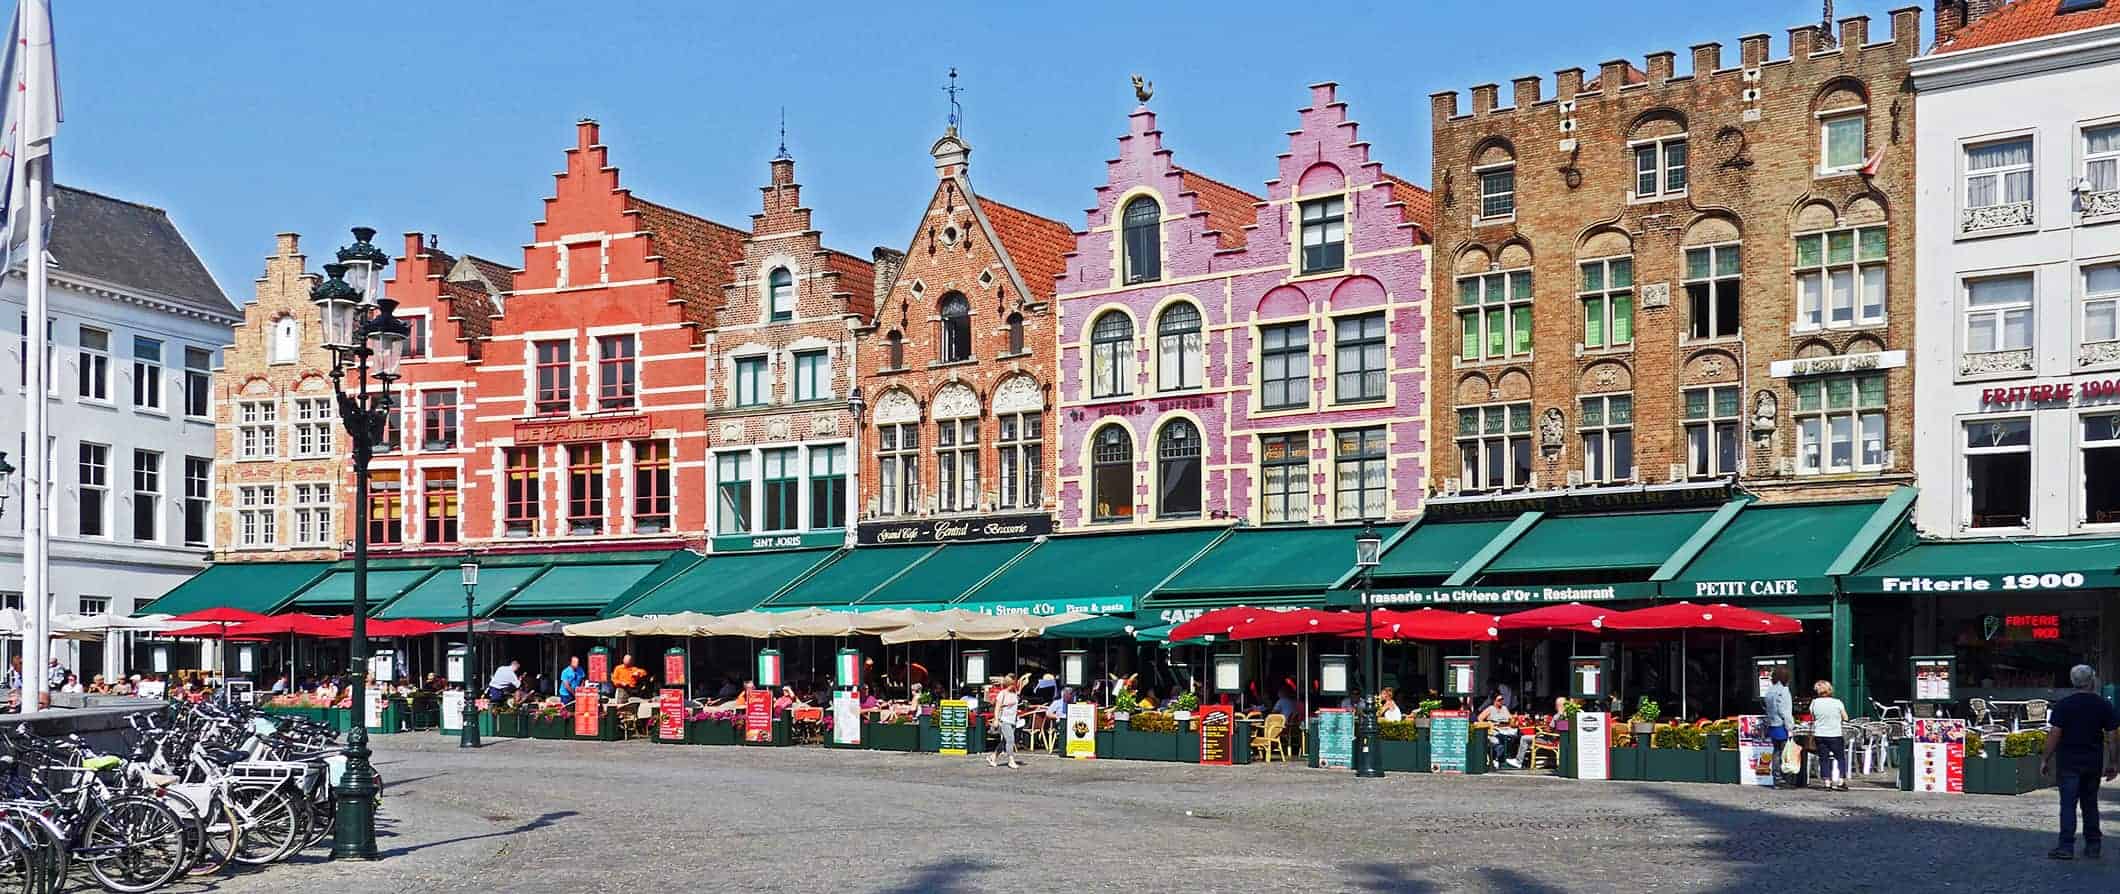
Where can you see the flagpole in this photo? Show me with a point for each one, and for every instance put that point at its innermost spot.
(32, 26)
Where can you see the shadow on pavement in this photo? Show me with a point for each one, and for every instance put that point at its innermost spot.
(549, 819)
(1387, 877)
(941, 878)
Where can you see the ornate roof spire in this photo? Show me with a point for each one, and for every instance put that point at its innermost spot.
(783, 153)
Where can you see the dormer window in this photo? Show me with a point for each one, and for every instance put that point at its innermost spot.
(1142, 233)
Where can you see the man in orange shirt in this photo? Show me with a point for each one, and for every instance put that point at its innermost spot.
(627, 677)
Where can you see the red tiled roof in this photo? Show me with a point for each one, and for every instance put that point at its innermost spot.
(1036, 244)
(697, 254)
(1417, 204)
(473, 309)
(501, 275)
(857, 278)
(1229, 209)
(2026, 19)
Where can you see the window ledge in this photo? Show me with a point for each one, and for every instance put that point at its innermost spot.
(1018, 355)
(1357, 401)
(1798, 329)
(1609, 351)
(2097, 354)
(1689, 342)
(1494, 221)
(99, 404)
(944, 364)
(1996, 364)
(1835, 173)
(1656, 198)
(1995, 220)
(1462, 363)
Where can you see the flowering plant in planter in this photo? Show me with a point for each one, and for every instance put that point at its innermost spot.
(1398, 730)
(1189, 702)
(1427, 706)
(704, 715)
(549, 712)
(1646, 711)
(1152, 722)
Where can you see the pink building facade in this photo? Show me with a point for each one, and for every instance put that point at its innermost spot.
(1230, 357)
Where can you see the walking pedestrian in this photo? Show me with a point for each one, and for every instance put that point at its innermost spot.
(1007, 699)
(1828, 739)
(1781, 716)
(2080, 747)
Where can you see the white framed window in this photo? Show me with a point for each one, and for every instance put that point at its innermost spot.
(1361, 474)
(780, 294)
(147, 372)
(1660, 168)
(1714, 291)
(312, 427)
(1111, 355)
(2101, 469)
(1607, 294)
(1607, 428)
(732, 493)
(257, 516)
(1180, 347)
(1359, 365)
(898, 468)
(1494, 446)
(1021, 445)
(147, 496)
(258, 429)
(1284, 360)
(957, 465)
(2101, 303)
(1842, 140)
(813, 375)
(1494, 315)
(751, 386)
(1714, 446)
(1840, 423)
(1998, 313)
(2101, 157)
(94, 481)
(1998, 173)
(95, 605)
(1998, 473)
(1497, 190)
(198, 500)
(1178, 470)
(1840, 278)
(286, 340)
(312, 514)
(94, 357)
(1284, 478)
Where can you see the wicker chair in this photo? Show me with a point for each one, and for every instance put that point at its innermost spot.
(1267, 742)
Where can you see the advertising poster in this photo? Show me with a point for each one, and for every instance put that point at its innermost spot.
(453, 710)
(456, 667)
(846, 718)
(674, 667)
(588, 713)
(1448, 732)
(599, 665)
(1336, 739)
(758, 716)
(374, 712)
(1082, 730)
(1939, 756)
(1765, 666)
(670, 719)
(1593, 738)
(1755, 752)
(1218, 734)
(953, 722)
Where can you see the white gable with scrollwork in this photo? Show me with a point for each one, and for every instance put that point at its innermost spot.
(897, 407)
(1018, 394)
(956, 401)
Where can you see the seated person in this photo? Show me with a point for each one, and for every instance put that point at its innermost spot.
(1503, 735)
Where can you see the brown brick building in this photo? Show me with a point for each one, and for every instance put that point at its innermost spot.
(957, 364)
(1653, 277)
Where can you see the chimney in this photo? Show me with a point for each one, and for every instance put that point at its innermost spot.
(1707, 58)
(889, 262)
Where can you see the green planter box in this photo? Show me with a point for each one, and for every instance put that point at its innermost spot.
(1993, 774)
(1722, 762)
(510, 725)
(485, 727)
(608, 729)
(392, 720)
(1127, 744)
(561, 727)
(684, 735)
(930, 735)
(1107, 744)
(1626, 763)
(1188, 748)
(1403, 757)
(712, 732)
(1565, 767)
(890, 736)
(1903, 757)
(1675, 765)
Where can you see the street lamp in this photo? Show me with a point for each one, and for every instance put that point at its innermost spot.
(1368, 550)
(470, 735)
(7, 470)
(366, 340)
(855, 405)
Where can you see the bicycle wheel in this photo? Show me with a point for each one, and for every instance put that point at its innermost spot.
(48, 845)
(18, 861)
(223, 831)
(133, 845)
(271, 826)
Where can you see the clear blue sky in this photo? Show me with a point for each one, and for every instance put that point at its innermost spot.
(248, 118)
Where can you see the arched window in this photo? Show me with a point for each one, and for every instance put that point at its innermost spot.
(1178, 348)
(894, 344)
(1178, 470)
(956, 328)
(286, 340)
(1111, 356)
(780, 290)
(1015, 333)
(1112, 475)
(1141, 227)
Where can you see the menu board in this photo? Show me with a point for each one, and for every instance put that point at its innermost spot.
(599, 665)
(373, 716)
(1082, 730)
(1765, 665)
(1593, 738)
(1459, 675)
(453, 710)
(758, 717)
(674, 667)
(588, 714)
(1755, 751)
(1587, 676)
(456, 666)
(1932, 678)
(1335, 739)
(846, 718)
(670, 724)
(1939, 755)
(1218, 734)
(952, 721)
(1332, 675)
(1448, 734)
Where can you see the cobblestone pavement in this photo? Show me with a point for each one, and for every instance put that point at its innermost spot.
(578, 817)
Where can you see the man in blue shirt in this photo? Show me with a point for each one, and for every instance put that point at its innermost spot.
(2081, 746)
(1780, 715)
(571, 678)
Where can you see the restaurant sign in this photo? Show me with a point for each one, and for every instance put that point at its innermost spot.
(1727, 589)
(1506, 595)
(1983, 583)
(751, 543)
(954, 530)
(1036, 608)
(2050, 394)
(563, 431)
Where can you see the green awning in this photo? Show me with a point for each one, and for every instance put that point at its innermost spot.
(1435, 549)
(580, 587)
(1774, 549)
(251, 586)
(2029, 565)
(853, 574)
(946, 574)
(723, 584)
(334, 593)
(1598, 542)
(441, 597)
(1254, 565)
(1106, 627)
(1094, 572)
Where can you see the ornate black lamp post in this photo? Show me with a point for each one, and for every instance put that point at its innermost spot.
(7, 470)
(366, 340)
(1368, 548)
(470, 735)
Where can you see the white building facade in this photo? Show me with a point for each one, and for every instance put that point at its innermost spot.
(135, 328)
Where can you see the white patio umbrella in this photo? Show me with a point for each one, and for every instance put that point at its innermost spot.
(623, 625)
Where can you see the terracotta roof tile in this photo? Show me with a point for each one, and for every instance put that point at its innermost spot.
(1229, 209)
(473, 310)
(501, 275)
(857, 278)
(698, 254)
(1417, 205)
(1038, 245)
(2026, 19)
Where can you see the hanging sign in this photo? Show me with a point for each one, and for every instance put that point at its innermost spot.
(1587, 677)
(849, 666)
(456, 665)
(674, 667)
(452, 710)
(1335, 739)
(670, 724)
(1939, 755)
(1332, 674)
(990, 527)
(1082, 730)
(588, 714)
(758, 717)
(1932, 677)
(1218, 734)
(846, 718)
(599, 665)
(1448, 733)
(953, 722)
(1460, 675)
(1593, 738)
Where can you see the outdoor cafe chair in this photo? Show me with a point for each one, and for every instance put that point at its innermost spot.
(1547, 742)
(643, 720)
(2035, 712)
(1267, 742)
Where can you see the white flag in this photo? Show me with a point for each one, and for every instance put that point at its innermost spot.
(29, 117)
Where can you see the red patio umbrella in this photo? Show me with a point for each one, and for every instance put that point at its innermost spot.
(294, 624)
(1216, 622)
(1687, 616)
(1770, 623)
(1301, 622)
(1574, 617)
(1432, 624)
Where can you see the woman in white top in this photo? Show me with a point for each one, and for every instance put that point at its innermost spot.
(1006, 700)
(1828, 738)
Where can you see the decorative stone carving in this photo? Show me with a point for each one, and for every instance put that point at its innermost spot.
(1995, 362)
(1995, 217)
(1552, 431)
(2098, 353)
(956, 401)
(1018, 394)
(1607, 376)
(1764, 409)
(777, 428)
(824, 424)
(896, 407)
(1711, 368)
(731, 432)
(2100, 204)
(1655, 294)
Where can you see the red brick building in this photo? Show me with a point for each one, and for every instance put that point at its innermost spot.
(957, 367)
